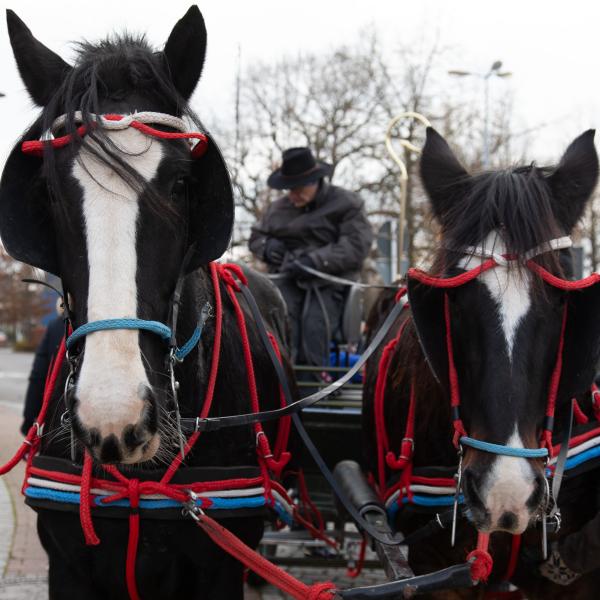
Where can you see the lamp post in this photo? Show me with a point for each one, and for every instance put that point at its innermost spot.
(494, 70)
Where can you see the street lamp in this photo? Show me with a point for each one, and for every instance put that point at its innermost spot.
(494, 70)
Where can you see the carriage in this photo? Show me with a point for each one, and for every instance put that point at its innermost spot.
(185, 361)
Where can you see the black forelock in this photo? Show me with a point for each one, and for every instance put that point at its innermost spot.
(515, 202)
(120, 73)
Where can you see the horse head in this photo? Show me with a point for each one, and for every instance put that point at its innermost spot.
(507, 345)
(115, 213)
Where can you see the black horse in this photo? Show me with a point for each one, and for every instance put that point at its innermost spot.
(121, 216)
(489, 346)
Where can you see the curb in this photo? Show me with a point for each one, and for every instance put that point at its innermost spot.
(7, 526)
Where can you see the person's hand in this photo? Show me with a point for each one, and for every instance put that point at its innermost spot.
(275, 250)
(295, 270)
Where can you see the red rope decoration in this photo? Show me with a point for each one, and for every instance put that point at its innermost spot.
(451, 282)
(132, 542)
(360, 562)
(459, 428)
(580, 417)
(515, 548)
(260, 565)
(36, 147)
(546, 440)
(482, 562)
(85, 514)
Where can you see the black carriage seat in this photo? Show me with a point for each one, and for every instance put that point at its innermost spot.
(349, 329)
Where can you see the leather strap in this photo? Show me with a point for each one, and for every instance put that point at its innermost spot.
(215, 423)
(316, 456)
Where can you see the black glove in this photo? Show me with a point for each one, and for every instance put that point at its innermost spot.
(295, 270)
(275, 250)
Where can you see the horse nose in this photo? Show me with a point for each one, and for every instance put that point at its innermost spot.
(540, 491)
(136, 444)
(471, 488)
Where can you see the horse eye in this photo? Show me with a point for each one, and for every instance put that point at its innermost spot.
(178, 189)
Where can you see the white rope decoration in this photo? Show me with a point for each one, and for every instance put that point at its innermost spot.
(481, 251)
(147, 117)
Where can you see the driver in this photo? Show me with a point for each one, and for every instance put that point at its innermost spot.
(315, 225)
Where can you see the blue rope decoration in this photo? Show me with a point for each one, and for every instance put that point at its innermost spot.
(153, 326)
(504, 450)
(107, 324)
(74, 498)
(182, 352)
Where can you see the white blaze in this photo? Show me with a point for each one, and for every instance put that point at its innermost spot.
(508, 286)
(508, 485)
(510, 482)
(112, 370)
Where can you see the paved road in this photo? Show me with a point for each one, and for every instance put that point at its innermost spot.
(14, 370)
(23, 563)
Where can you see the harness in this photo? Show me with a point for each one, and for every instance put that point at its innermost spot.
(424, 487)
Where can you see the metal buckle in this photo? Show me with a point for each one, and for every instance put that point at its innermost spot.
(190, 508)
(458, 478)
(174, 390)
(258, 434)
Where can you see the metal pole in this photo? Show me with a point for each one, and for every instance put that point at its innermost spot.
(403, 177)
(486, 121)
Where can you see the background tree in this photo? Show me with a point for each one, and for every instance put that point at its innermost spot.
(339, 103)
(21, 305)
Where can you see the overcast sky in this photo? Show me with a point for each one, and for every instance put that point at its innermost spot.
(551, 47)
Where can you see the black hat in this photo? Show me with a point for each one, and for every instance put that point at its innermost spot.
(298, 168)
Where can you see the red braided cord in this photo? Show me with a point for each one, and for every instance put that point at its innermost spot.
(379, 411)
(36, 147)
(360, 562)
(309, 506)
(554, 383)
(262, 441)
(483, 563)
(85, 514)
(132, 541)
(212, 378)
(580, 417)
(563, 284)
(451, 282)
(281, 455)
(407, 444)
(260, 565)
(515, 548)
(459, 428)
(31, 440)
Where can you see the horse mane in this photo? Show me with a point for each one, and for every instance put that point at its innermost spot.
(516, 202)
(117, 70)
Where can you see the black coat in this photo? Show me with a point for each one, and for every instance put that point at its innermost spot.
(39, 371)
(333, 230)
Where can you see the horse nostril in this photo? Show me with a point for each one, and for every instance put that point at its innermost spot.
(471, 488)
(539, 493)
(508, 521)
(134, 436)
(110, 451)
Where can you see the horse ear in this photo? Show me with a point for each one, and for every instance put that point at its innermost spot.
(574, 180)
(442, 174)
(26, 225)
(185, 51)
(41, 70)
(581, 350)
(211, 207)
